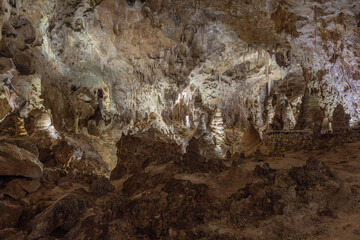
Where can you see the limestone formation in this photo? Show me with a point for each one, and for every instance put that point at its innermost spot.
(179, 119)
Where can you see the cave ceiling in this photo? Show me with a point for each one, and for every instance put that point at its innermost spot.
(176, 70)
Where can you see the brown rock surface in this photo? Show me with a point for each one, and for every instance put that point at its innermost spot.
(10, 214)
(179, 119)
(19, 162)
(195, 198)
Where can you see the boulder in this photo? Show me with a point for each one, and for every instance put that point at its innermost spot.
(14, 190)
(101, 187)
(9, 233)
(16, 161)
(9, 214)
(60, 217)
(19, 187)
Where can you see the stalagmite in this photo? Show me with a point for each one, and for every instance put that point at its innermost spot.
(217, 125)
(187, 121)
(20, 127)
(164, 119)
(267, 74)
(76, 122)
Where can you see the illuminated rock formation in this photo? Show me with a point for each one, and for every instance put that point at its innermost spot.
(188, 85)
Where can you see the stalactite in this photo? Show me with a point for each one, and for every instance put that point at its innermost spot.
(315, 38)
(18, 6)
(4, 5)
(162, 55)
(101, 64)
(76, 123)
(203, 38)
(267, 7)
(179, 104)
(197, 5)
(184, 64)
(167, 60)
(91, 53)
(65, 40)
(10, 96)
(267, 74)
(312, 75)
(220, 77)
(287, 83)
(95, 16)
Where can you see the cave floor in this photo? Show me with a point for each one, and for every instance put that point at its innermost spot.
(299, 195)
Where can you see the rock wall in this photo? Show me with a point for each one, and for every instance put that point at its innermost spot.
(186, 69)
(282, 143)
